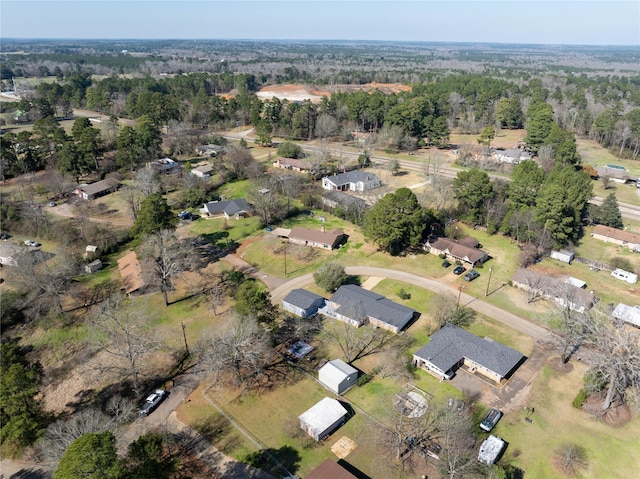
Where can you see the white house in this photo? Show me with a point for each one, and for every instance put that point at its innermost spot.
(203, 171)
(628, 314)
(323, 418)
(351, 181)
(338, 376)
(512, 155)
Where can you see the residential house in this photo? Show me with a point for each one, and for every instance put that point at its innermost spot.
(131, 272)
(338, 376)
(203, 171)
(164, 165)
(357, 306)
(356, 180)
(565, 294)
(97, 189)
(456, 250)
(292, 164)
(627, 314)
(302, 303)
(330, 470)
(229, 209)
(328, 240)
(511, 156)
(617, 175)
(323, 418)
(452, 347)
(616, 236)
(337, 199)
(209, 151)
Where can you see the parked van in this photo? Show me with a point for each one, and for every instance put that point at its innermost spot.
(490, 420)
(630, 278)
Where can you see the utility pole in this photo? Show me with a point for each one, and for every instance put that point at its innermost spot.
(486, 293)
(184, 335)
(459, 294)
(285, 259)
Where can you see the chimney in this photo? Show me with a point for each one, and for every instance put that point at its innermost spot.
(322, 228)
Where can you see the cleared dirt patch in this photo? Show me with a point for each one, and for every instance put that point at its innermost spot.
(297, 92)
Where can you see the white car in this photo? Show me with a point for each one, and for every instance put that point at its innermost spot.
(31, 243)
(152, 402)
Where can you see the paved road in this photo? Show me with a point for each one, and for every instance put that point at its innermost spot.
(535, 331)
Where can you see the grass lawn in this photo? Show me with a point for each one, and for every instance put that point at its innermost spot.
(236, 189)
(612, 452)
(504, 138)
(215, 231)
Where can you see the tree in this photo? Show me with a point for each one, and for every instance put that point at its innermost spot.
(525, 183)
(330, 276)
(267, 205)
(540, 121)
(127, 148)
(263, 133)
(290, 150)
(487, 135)
(563, 144)
(397, 221)
(445, 311)
(240, 351)
(355, 343)
(92, 456)
(21, 413)
(147, 458)
(458, 458)
(608, 213)
(254, 300)
(509, 113)
(238, 164)
(168, 257)
(154, 215)
(472, 189)
(570, 458)
(124, 335)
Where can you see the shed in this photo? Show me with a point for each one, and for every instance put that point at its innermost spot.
(628, 314)
(323, 418)
(299, 349)
(563, 255)
(338, 376)
(578, 283)
(93, 266)
(490, 449)
(302, 302)
(91, 251)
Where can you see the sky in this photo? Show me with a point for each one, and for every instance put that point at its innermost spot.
(569, 22)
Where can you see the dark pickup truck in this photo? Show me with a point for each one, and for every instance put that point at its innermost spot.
(490, 420)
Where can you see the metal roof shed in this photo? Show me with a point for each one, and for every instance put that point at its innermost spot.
(490, 449)
(323, 418)
(338, 376)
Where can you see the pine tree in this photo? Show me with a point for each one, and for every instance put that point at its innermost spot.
(609, 213)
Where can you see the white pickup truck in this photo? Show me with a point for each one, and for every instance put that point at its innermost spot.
(152, 402)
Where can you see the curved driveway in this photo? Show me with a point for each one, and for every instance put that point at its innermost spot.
(535, 331)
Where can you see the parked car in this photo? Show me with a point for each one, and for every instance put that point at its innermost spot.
(4, 236)
(152, 402)
(459, 270)
(445, 264)
(490, 420)
(53, 203)
(185, 215)
(31, 243)
(471, 275)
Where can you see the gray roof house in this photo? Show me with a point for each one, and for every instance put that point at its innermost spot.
(228, 208)
(357, 306)
(302, 302)
(452, 347)
(323, 418)
(356, 180)
(202, 171)
(338, 376)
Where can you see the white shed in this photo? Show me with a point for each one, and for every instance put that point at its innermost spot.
(323, 418)
(490, 449)
(563, 255)
(94, 266)
(338, 376)
(628, 314)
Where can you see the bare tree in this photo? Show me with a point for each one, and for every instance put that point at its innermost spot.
(606, 181)
(355, 343)
(446, 311)
(123, 333)
(571, 459)
(571, 328)
(168, 257)
(545, 158)
(240, 351)
(459, 456)
(326, 126)
(536, 285)
(268, 205)
(147, 182)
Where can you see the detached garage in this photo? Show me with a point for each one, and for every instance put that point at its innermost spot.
(323, 418)
(338, 376)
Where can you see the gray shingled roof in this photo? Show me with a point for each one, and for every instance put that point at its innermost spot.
(302, 298)
(351, 177)
(353, 299)
(230, 207)
(451, 343)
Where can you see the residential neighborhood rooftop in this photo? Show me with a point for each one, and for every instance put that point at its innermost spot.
(302, 298)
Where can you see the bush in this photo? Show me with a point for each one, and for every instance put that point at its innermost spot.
(330, 276)
(403, 294)
(580, 399)
(622, 263)
(364, 379)
(290, 150)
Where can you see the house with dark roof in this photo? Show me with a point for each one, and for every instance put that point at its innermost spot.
(317, 238)
(356, 180)
(165, 165)
(457, 250)
(452, 347)
(544, 286)
(330, 470)
(616, 236)
(229, 209)
(97, 189)
(338, 376)
(302, 302)
(210, 150)
(357, 306)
